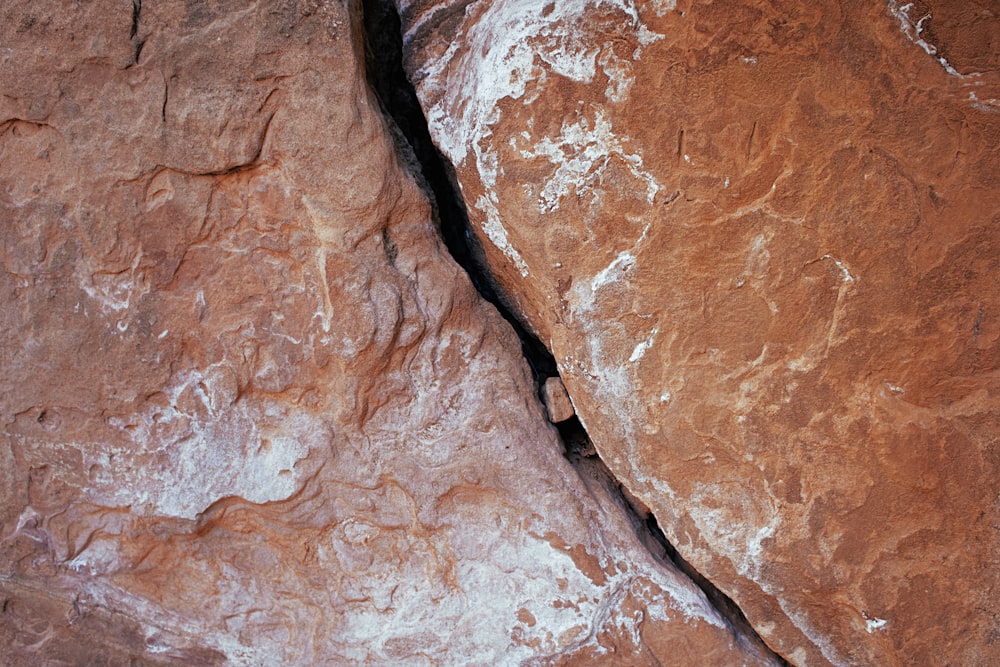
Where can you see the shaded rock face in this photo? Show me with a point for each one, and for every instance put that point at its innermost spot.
(252, 412)
(762, 241)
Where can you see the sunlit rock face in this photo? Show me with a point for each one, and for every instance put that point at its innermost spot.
(252, 412)
(763, 242)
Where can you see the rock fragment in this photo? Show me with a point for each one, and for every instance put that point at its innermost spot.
(556, 400)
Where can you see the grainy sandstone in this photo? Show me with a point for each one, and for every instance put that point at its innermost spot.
(557, 401)
(252, 413)
(763, 242)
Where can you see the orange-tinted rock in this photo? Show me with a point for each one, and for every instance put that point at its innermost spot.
(556, 399)
(762, 240)
(252, 413)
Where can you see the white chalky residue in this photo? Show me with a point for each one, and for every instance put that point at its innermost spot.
(199, 459)
(848, 278)
(741, 541)
(506, 49)
(512, 51)
(622, 263)
(99, 556)
(115, 292)
(661, 7)
(497, 233)
(640, 350)
(580, 154)
(991, 105)
(522, 573)
(799, 620)
(620, 77)
(611, 380)
(759, 256)
(647, 36)
(873, 624)
(913, 32)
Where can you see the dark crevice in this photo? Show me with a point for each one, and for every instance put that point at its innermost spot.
(386, 76)
(166, 97)
(581, 454)
(136, 10)
(384, 64)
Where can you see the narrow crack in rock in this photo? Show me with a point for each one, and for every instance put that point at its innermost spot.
(384, 61)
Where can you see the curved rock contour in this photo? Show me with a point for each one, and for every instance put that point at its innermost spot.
(252, 413)
(761, 240)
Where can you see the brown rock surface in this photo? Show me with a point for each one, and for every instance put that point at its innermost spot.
(557, 401)
(762, 240)
(252, 413)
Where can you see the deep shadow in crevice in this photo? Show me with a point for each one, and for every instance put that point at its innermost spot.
(583, 456)
(384, 63)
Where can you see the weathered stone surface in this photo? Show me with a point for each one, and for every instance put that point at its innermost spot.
(762, 240)
(556, 399)
(252, 413)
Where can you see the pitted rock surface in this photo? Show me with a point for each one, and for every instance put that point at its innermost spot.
(762, 241)
(252, 413)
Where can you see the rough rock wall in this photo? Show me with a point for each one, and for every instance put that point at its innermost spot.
(252, 412)
(762, 239)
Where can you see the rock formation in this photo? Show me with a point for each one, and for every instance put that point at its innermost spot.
(252, 412)
(761, 240)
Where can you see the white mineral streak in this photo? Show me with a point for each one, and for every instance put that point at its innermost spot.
(497, 233)
(663, 6)
(621, 265)
(511, 52)
(873, 624)
(202, 437)
(640, 349)
(115, 292)
(581, 154)
(914, 31)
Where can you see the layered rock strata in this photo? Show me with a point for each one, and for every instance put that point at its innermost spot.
(252, 413)
(762, 242)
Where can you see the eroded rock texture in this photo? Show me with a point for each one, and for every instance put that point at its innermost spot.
(252, 413)
(763, 241)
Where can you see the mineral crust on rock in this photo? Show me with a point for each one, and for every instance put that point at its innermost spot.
(762, 240)
(252, 413)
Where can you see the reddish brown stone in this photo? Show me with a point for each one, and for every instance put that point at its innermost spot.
(556, 400)
(252, 413)
(762, 240)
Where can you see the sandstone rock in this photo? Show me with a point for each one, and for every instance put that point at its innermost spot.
(252, 413)
(557, 401)
(761, 239)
